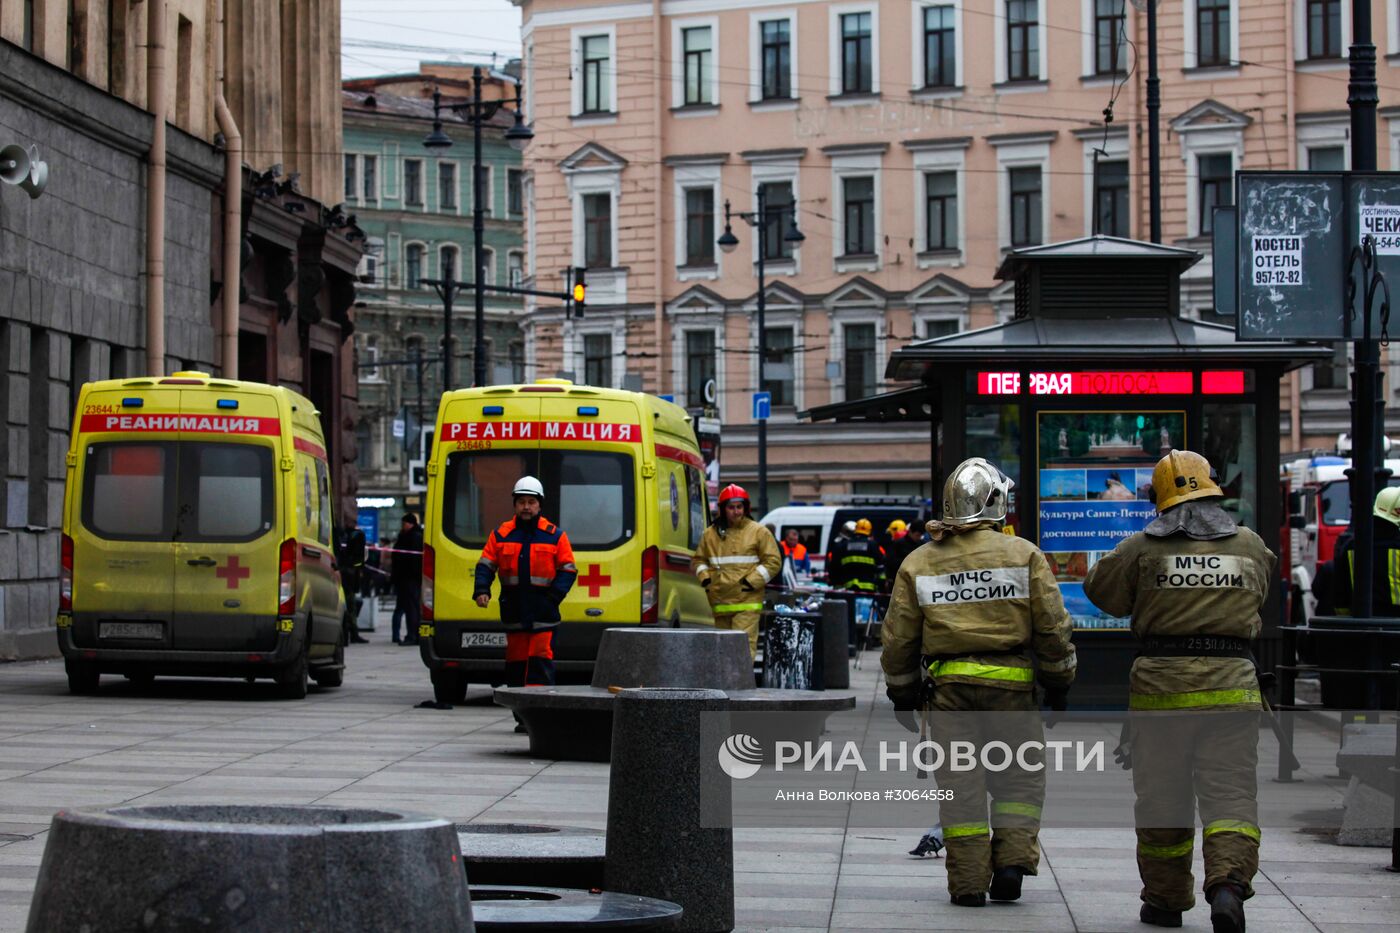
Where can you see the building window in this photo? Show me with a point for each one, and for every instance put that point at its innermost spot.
(413, 181)
(364, 445)
(778, 370)
(860, 360)
(369, 356)
(369, 262)
(597, 93)
(1111, 183)
(515, 191)
(698, 45)
(778, 205)
(370, 164)
(1327, 159)
(1332, 374)
(516, 352)
(856, 69)
(184, 60)
(1324, 28)
(597, 360)
(413, 266)
(1109, 19)
(597, 231)
(940, 55)
(447, 186)
(1025, 206)
(941, 210)
(351, 186)
(700, 226)
(1212, 32)
(858, 196)
(1217, 186)
(1022, 40)
(515, 269)
(940, 327)
(699, 365)
(776, 37)
(450, 262)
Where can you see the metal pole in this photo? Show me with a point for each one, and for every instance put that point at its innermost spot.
(478, 232)
(1154, 136)
(1367, 410)
(449, 365)
(762, 356)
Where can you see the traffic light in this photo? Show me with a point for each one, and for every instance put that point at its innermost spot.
(578, 291)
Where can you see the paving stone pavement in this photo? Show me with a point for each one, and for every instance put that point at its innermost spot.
(366, 745)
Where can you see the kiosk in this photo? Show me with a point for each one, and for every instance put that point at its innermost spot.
(1098, 375)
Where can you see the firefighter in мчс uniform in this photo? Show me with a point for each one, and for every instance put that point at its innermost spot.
(862, 560)
(736, 559)
(536, 564)
(1193, 582)
(973, 610)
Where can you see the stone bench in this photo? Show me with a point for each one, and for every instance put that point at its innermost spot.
(575, 723)
(1367, 755)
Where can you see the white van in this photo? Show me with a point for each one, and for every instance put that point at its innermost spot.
(817, 523)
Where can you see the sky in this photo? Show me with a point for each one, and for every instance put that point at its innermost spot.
(424, 30)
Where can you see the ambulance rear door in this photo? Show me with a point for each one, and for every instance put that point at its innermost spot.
(123, 519)
(226, 558)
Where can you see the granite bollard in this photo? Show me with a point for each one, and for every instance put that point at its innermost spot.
(250, 868)
(716, 659)
(657, 845)
(835, 661)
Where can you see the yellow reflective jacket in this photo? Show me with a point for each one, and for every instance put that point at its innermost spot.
(746, 552)
(1179, 586)
(985, 605)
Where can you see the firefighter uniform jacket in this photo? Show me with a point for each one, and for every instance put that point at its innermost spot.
(738, 565)
(1385, 572)
(1178, 587)
(982, 608)
(857, 564)
(536, 567)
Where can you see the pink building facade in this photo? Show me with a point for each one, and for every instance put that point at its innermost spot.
(917, 141)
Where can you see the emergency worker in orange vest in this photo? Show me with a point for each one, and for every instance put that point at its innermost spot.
(535, 562)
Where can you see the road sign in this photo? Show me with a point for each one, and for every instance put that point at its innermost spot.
(668, 398)
(762, 405)
(398, 429)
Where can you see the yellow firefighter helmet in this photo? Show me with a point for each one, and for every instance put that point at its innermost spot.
(1388, 505)
(863, 527)
(1181, 476)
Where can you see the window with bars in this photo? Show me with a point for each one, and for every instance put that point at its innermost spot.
(779, 374)
(413, 181)
(1022, 40)
(941, 210)
(1324, 28)
(700, 226)
(699, 365)
(858, 199)
(1217, 186)
(597, 359)
(856, 54)
(940, 48)
(1111, 197)
(1109, 19)
(1212, 32)
(447, 186)
(1026, 207)
(860, 360)
(597, 231)
(777, 201)
(776, 38)
(370, 164)
(697, 43)
(597, 82)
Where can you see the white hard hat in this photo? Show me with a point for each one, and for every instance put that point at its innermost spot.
(528, 486)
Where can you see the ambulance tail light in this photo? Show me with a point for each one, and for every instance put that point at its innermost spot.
(65, 575)
(429, 571)
(287, 578)
(651, 573)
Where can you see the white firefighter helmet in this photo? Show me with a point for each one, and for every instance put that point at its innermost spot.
(528, 486)
(976, 491)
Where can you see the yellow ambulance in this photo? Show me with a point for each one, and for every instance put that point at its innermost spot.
(197, 535)
(623, 478)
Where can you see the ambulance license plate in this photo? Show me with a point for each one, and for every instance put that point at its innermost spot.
(483, 639)
(148, 630)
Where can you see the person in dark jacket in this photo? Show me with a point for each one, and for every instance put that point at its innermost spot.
(535, 562)
(407, 576)
(350, 557)
(909, 542)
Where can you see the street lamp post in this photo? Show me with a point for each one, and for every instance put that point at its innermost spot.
(1154, 132)
(519, 136)
(729, 242)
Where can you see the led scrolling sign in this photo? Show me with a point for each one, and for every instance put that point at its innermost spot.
(1116, 382)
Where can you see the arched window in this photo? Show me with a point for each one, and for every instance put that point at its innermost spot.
(488, 262)
(413, 266)
(450, 262)
(515, 268)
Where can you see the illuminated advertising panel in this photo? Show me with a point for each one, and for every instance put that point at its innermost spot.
(1111, 382)
(1095, 480)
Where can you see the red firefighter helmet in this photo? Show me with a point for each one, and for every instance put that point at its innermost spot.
(733, 491)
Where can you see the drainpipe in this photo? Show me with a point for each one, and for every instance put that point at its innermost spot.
(155, 189)
(233, 206)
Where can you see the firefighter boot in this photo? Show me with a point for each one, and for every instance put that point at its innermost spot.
(1226, 908)
(1159, 916)
(1006, 883)
(968, 900)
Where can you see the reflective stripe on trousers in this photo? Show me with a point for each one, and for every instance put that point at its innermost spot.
(727, 608)
(1243, 697)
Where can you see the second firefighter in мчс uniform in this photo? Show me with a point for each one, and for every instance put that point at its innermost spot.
(977, 613)
(734, 562)
(1193, 582)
